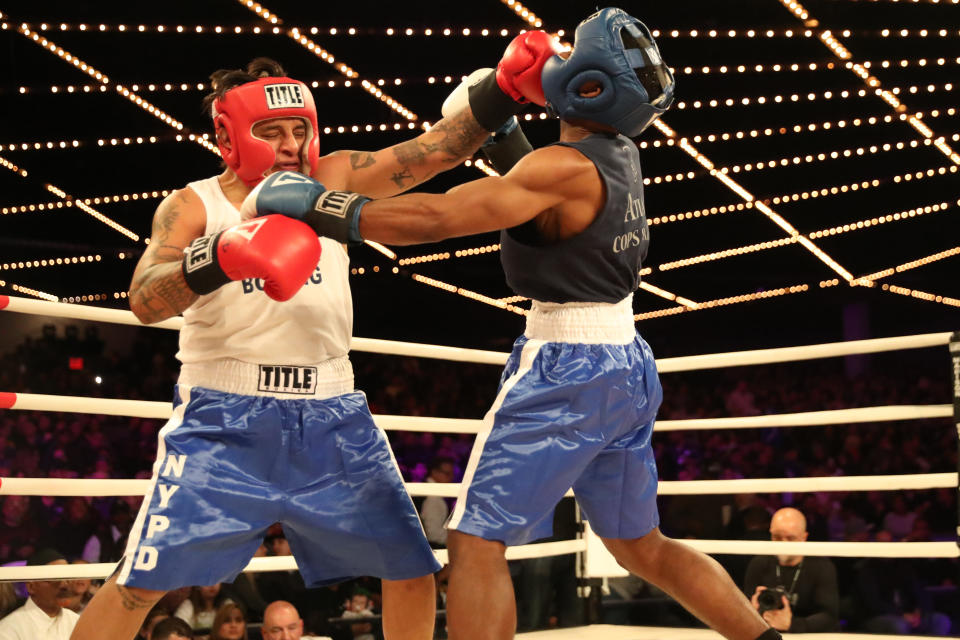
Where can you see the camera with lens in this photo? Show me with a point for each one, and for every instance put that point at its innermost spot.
(770, 598)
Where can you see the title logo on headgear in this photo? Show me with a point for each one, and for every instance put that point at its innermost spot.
(283, 96)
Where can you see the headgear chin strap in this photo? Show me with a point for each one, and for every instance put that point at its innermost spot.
(242, 107)
(616, 51)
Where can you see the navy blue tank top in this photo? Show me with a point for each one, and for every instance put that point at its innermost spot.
(602, 262)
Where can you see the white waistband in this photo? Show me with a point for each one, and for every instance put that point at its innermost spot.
(584, 322)
(325, 379)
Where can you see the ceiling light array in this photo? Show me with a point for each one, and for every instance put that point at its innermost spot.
(796, 8)
(845, 94)
(49, 262)
(723, 302)
(915, 1)
(774, 217)
(59, 204)
(824, 156)
(299, 36)
(921, 295)
(663, 293)
(889, 96)
(700, 213)
(466, 293)
(807, 128)
(33, 292)
(257, 30)
(860, 186)
(524, 13)
(122, 90)
(96, 297)
(433, 257)
(829, 232)
(6, 164)
(907, 266)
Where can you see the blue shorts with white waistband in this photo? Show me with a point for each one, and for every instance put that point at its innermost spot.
(567, 415)
(228, 466)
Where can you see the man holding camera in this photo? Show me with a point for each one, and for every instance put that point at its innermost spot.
(793, 593)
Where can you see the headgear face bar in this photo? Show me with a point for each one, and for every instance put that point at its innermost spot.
(616, 51)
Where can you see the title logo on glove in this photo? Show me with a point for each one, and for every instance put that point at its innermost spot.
(336, 203)
(283, 95)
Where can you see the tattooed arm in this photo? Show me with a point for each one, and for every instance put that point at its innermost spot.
(384, 173)
(158, 291)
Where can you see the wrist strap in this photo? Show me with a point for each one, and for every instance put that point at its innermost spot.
(201, 267)
(336, 215)
(506, 151)
(490, 105)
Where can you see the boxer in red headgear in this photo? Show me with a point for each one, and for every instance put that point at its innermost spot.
(239, 110)
(265, 399)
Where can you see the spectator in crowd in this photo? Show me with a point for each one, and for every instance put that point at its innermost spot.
(359, 606)
(108, 543)
(8, 598)
(19, 530)
(893, 598)
(81, 591)
(155, 615)
(172, 629)
(229, 623)
(281, 621)
(41, 616)
(200, 608)
(433, 509)
(899, 521)
(805, 598)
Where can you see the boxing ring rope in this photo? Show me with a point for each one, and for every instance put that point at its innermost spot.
(162, 410)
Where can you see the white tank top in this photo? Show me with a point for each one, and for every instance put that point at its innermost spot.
(238, 323)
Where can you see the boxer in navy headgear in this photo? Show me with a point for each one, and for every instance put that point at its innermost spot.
(580, 392)
(616, 51)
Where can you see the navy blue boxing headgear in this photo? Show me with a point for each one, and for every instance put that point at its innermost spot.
(617, 51)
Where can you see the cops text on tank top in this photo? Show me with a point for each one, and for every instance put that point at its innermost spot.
(239, 321)
(602, 262)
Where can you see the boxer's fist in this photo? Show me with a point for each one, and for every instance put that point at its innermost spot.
(518, 73)
(281, 251)
(333, 214)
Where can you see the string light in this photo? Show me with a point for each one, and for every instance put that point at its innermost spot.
(122, 90)
(810, 127)
(59, 204)
(830, 231)
(524, 13)
(845, 94)
(723, 302)
(921, 295)
(889, 96)
(49, 262)
(907, 266)
(663, 293)
(862, 185)
(96, 297)
(297, 35)
(33, 292)
(247, 29)
(6, 164)
(466, 293)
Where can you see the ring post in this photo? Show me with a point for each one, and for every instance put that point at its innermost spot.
(955, 357)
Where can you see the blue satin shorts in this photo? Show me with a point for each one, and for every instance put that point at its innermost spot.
(228, 466)
(567, 415)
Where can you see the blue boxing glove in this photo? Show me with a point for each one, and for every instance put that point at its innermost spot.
(332, 214)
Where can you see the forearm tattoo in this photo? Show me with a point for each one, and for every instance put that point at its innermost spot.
(131, 601)
(450, 141)
(159, 292)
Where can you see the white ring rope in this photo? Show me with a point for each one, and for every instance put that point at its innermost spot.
(665, 365)
(99, 487)
(163, 410)
(276, 563)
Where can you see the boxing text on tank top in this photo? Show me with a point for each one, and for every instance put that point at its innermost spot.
(602, 262)
(239, 322)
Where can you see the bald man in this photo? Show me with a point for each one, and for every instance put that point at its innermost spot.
(281, 621)
(807, 599)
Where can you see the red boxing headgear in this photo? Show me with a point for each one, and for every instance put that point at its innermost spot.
(243, 107)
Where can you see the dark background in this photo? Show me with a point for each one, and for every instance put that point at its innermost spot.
(394, 306)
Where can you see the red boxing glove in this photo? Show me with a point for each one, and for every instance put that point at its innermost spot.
(281, 251)
(518, 74)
